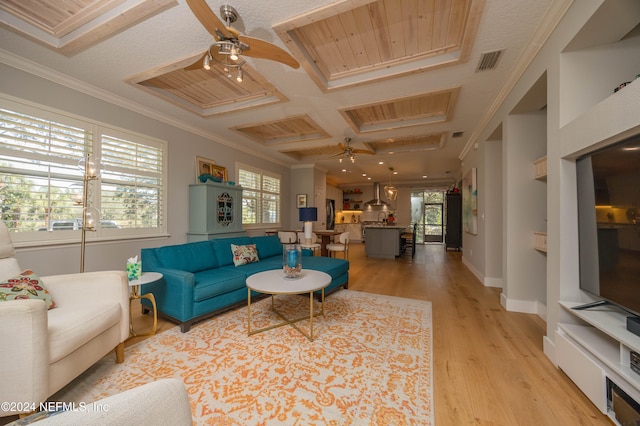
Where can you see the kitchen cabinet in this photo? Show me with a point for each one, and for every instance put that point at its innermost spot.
(383, 241)
(354, 230)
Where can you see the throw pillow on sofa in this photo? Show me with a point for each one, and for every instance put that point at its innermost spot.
(244, 254)
(26, 285)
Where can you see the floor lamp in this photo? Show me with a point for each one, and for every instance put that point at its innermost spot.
(91, 168)
(308, 215)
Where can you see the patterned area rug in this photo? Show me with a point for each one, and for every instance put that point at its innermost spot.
(370, 363)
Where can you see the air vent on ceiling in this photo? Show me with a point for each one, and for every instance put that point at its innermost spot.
(489, 60)
(457, 134)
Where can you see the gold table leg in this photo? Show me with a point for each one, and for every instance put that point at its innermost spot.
(135, 295)
(287, 321)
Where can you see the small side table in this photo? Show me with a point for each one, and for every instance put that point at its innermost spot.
(146, 278)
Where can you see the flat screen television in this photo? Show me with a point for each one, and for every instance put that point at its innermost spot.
(609, 226)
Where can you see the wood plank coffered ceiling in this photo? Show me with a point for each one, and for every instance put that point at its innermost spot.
(356, 41)
(415, 143)
(290, 129)
(208, 93)
(317, 152)
(385, 146)
(426, 108)
(72, 26)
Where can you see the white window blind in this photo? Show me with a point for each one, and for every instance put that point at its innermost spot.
(260, 196)
(41, 183)
(132, 184)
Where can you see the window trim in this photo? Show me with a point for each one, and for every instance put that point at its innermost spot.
(97, 129)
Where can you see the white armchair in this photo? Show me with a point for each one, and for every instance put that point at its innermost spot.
(43, 350)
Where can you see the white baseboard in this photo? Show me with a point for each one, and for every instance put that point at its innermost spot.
(524, 306)
(473, 269)
(493, 282)
(549, 349)
(486, 281)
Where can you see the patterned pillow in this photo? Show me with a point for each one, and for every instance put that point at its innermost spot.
(27, 285)
(244, 254)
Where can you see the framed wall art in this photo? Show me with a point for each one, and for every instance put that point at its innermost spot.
(301, 200)
(208, 170)
(470, 201)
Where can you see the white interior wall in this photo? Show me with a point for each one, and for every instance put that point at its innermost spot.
(473, 254)
(183, 147)
(493, 213)
(524, 268)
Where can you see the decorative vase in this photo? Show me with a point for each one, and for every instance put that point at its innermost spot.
(291, 260)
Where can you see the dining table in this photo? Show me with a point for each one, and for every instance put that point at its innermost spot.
(325, 238)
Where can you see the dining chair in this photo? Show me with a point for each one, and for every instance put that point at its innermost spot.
(342, 245)
(409, 240)
(314, 246)
(287, 237)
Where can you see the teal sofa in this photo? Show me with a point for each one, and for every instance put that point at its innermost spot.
(200, 279)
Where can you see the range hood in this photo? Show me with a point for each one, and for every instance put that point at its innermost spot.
(377, 201)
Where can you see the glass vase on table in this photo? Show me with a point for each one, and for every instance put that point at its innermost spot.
(291, 260)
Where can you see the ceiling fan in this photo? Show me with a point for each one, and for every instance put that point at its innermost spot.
(229, 45)
(349, 152)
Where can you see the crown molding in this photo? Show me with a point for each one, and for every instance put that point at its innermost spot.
(30, 67)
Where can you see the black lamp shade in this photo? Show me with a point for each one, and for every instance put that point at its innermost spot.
(308, 214)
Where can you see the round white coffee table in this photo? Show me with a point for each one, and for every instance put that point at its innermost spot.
(274, 282)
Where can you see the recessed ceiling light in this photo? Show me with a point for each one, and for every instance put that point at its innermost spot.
(380, 162)
(424, 177)
(369, 178)
(344, 170)
(395, 172)
(364, 174)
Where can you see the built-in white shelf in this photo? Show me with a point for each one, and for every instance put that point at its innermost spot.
(596, 348)
(540, 168)
(540, 241)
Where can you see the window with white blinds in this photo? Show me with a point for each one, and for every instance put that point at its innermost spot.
(260, 197)
(41, 178)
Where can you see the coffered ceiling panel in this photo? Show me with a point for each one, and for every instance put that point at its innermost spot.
(417, 143)
(290, 129)
(208, 92)
(426, 108)
(71, 26)
(319, 151)
(356, 41)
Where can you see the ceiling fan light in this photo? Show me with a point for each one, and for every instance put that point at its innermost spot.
(207, 63)
(239, 76)
(234, 53)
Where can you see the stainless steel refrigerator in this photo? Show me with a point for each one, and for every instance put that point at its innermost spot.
(331, 214)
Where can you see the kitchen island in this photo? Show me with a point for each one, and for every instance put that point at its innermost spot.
(383, 241)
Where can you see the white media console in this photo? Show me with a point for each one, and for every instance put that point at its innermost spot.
(595, 348)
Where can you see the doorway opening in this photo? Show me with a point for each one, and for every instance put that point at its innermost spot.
(427, 210)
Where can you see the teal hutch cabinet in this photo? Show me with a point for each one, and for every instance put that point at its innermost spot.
(215, 211)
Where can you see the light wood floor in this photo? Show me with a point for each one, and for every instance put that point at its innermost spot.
(489, 368)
